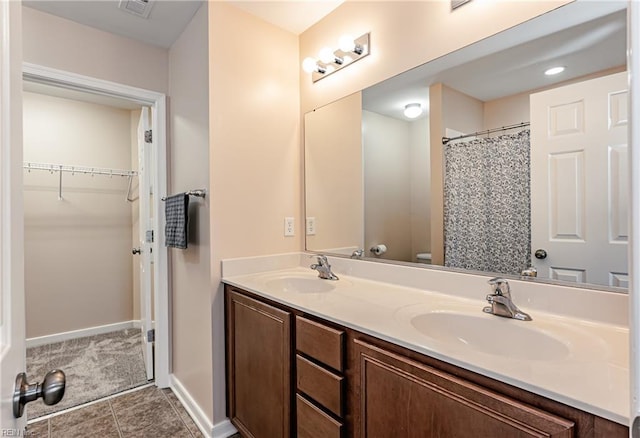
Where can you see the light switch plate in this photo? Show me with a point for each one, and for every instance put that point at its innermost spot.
(311, 226)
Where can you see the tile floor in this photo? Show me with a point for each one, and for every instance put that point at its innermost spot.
(146, 413)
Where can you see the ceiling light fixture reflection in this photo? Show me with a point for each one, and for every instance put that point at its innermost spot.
(412, 110)
(554, 71)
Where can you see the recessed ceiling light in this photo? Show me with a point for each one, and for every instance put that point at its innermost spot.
(554, 71)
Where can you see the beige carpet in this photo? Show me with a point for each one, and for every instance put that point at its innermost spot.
(95, 367)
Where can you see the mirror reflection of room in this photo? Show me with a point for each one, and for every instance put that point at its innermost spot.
(509, 168)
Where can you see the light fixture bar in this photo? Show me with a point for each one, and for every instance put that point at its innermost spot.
(343, 58)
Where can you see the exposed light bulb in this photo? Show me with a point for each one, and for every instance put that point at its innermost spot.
(554, 71)
(412, 110)
(346, 43)
(309, 65)
(326, 55)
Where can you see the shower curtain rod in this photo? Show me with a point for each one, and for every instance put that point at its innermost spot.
(446, 140)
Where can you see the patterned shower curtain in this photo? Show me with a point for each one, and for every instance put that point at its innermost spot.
(487, 204)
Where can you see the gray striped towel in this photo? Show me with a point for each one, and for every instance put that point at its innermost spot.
(176, 210)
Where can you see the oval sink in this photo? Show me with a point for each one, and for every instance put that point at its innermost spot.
(494, 335)
(300, 284)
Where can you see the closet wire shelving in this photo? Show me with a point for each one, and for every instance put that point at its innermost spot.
(84, 170)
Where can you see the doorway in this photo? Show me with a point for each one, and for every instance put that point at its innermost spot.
(90, 223)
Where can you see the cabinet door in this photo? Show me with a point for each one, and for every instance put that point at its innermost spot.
(258, 367)
(398, 397)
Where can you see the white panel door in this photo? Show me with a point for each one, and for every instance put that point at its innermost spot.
(580, 181)
(146, 232)
(12, 316)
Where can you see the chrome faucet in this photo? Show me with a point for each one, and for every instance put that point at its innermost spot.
(501, 303)
(324, 268)
(357, 254)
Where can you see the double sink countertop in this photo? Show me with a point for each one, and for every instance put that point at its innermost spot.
(575, 350)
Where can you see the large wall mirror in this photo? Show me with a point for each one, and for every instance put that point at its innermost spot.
(506, 169)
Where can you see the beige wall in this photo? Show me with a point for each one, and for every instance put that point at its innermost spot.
(255, 159)
(387, 185)
(420, 186)
(506, 111)
(66, 45)
(77, 251)
(189, 169)
(333, 175)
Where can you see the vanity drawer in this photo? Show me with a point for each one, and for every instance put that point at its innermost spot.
(313, 423)
(320, 342)
(320, 384)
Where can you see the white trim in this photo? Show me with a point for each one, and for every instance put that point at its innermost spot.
(220, 430)
(60, 78)
(93, 402)
(223, 429)
(633, 65)
(89, 331)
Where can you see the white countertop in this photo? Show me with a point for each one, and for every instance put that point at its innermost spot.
(588, 368)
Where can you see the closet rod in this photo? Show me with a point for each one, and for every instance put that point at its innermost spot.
(446, 140)
(78, 169)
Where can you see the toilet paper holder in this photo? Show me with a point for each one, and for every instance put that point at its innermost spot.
(378, 249)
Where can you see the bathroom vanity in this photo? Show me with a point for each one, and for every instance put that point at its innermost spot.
(316, 358)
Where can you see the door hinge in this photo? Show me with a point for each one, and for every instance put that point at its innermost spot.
(148, 136)
(151, 335)
(149, 236)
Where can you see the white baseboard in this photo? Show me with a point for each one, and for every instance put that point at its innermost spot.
(194, 410)
(91, 331)
(223, 429)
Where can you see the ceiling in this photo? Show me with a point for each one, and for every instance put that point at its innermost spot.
(294, 16)
(168, 18)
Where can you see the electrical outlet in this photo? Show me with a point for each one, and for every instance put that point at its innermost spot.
(311, 226)
(289, 226)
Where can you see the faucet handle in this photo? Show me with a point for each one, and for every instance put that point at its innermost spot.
(500, 286)
(321, 260)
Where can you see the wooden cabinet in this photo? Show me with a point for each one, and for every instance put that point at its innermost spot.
(312, 379)
(258, 367)
(399, 397)
(319, 380)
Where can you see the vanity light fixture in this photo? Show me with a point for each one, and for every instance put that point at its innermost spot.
(311, 65)
(554, 71)
(330, 61)
(412, 110)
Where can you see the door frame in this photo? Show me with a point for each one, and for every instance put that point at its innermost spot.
(64, 79)
(633, 67)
